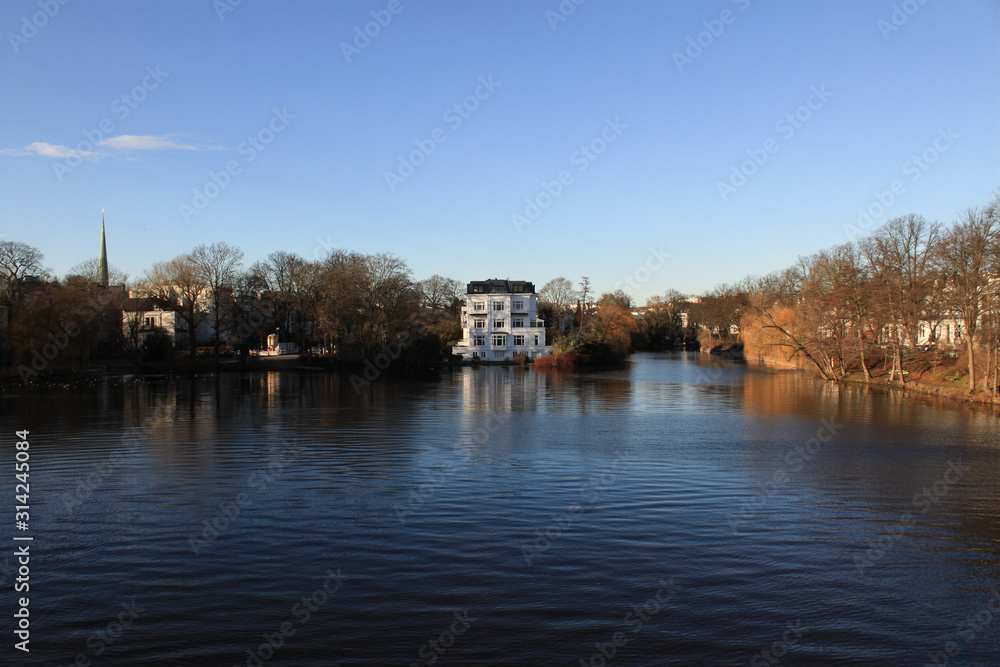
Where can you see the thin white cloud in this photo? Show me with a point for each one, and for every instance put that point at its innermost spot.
(58, 151)
(123, 142)
(145, 143)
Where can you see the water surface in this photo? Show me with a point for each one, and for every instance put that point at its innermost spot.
(500, 516)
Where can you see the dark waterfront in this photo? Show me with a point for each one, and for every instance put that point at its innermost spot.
(500, 516)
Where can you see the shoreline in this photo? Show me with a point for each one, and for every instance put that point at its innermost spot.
(924, 389)
(304, 364)
(931, 390)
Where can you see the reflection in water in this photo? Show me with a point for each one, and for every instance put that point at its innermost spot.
(424, 491)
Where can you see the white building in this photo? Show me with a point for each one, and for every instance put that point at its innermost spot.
(500, 320)
(143, 315)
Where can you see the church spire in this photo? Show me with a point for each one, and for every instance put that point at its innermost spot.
(102, 264)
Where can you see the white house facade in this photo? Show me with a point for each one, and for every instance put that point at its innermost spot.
(500, 320)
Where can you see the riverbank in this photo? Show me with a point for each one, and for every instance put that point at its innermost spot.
(953, 391)
(943, 382)
(926, 375)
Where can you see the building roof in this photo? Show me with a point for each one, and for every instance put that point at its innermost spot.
(497, 286)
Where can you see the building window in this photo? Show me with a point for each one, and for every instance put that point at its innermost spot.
(498, 324)
(500, 340)
(149, 321)
(498, 354)
(479, 340)
(518, 340)
(478, 306)
(517, 322)
(536, 340)
(479, 322)
(498, 305)
(518, 306)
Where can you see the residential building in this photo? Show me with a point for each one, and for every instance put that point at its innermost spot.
(142, 316)
(500, 320)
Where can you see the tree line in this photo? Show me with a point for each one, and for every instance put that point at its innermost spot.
(882, 300)
(843, 310)
(349, 301)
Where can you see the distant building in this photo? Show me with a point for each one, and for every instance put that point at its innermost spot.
(141, 317)
(500, 320)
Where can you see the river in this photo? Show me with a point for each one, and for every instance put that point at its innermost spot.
(680, 511)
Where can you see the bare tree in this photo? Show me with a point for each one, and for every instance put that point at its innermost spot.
(673, 298)
(387, 298)
(585, 289)
(367, 300)
(965, 255)
(900, 255)
(218, 267)
(855, 290)
(771, 301)
(281, 278)
(178, 286)
(339, 313)
(584, 296)
(439, 292)
(558, 293)
(991, 308)
(18, 261)
(90, 270)
(720, 309)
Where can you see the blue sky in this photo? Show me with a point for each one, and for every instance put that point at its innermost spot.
(640, 109)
